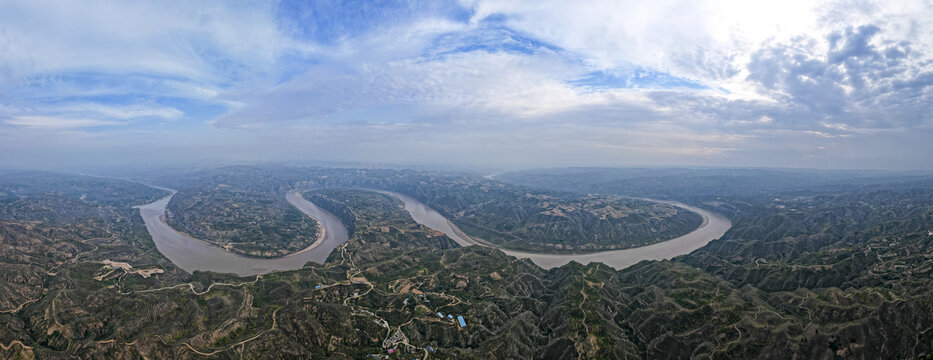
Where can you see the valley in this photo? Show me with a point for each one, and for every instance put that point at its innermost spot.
(789, 277)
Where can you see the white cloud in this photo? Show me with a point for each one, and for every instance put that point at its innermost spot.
(172, 39)
(710, 41)
(54, 122)
(85, 115)
(121, 112)
(505, 84)
(781, 77)
(697, 40)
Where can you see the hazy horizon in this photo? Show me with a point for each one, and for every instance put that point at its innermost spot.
(469, 84)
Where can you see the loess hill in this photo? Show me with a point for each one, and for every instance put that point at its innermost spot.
(523, 218)
(520, 218)
(233, 206)
(251, 223)
(820, 274)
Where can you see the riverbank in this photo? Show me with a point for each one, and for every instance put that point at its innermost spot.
(192, 254)
(712, 227)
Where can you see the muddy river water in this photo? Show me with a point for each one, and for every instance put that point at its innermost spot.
(192, 254)
(713, 226)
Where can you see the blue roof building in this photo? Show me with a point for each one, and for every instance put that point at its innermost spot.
(460, 319)
(440, 315)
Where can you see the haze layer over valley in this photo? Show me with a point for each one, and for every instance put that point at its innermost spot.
(466, 179)
(798, 250)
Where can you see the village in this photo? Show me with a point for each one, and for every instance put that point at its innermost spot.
(396, 342)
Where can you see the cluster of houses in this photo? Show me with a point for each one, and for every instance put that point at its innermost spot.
(395, 350)
(460, 320)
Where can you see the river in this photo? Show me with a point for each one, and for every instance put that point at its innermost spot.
(713, 227)
(192, 254)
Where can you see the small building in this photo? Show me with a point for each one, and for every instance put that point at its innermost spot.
(450, 316)
(440, 315)
(460, 320)
(392, 351)
(317, 286)
(430, 349)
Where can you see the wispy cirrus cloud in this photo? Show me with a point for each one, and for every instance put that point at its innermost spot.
(797, 83)
(56, 122)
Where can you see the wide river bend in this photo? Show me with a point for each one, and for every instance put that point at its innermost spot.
(713, 227)
(192, 254)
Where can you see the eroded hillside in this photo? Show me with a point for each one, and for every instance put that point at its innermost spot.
(252, 223)
(839, 274)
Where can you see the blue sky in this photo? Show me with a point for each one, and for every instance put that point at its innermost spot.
(836, 84)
